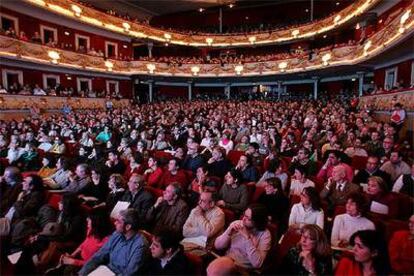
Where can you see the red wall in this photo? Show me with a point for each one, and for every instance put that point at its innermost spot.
(30, 25)
(32, 77)
(403, 74)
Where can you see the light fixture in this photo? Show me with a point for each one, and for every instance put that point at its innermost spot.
(54, 56)
(353, 79)
(125, 46)
(326, 58)
(357, 27)
(109, 65)
(126, 26)
(66, 33)
(167, 36)
(325, 36)
(295, 33)
(337, 18)
(151, 68)
(209, 41)
(238, 69)
(252, 39)
(77, 10)
(282, 66)
(200, 9)
(405, 17)
(231, 5)
(401, 30)
(367, 45)
(307, 10)
(337, 3)
(195, 70)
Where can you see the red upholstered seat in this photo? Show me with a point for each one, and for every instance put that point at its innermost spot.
(154, 191)
(234, 156)
(196, 263)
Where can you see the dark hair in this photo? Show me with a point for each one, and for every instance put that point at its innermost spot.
(375, 242)
(360, 201)
(381, 183)
(259, 216)
(131, 217)
(71, 205)
(302, 170)
(36, 183)
(64, 163)
(305, 151)
(51, 159)
(249, 159)
(101, 224)
(273, 165)
(168, 239)
(177, 162)
(275, 183)
(254, 145)
(314, 198)
(236, 174)
(177, 189)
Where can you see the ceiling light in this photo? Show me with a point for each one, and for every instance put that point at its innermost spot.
(77, 10)
(200, 9)
(357, 27)
(283, 65)
(405, 17)
(126, 26)
(326, 58)
(337, 3)
(231, 5)
(295, 33)
(337, 18)
(252, 39)
(325, 36)
(167, 36)
(307, 10)
(66, 33)
(353, 79)
(367, 45)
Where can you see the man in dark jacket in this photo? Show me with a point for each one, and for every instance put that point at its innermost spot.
(138, 198)
(168, 256)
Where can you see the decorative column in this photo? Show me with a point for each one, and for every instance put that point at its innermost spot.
(150, 45)
(315, 87)
(360, 83)
(279, 89)
(190, 90)
(227, 91)
(150, 87)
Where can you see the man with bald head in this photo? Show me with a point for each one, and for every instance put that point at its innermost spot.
(338, 188)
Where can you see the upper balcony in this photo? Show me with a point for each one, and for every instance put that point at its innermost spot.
(129, 28)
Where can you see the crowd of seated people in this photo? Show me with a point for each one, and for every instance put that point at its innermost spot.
(161, 189)
(58, 90)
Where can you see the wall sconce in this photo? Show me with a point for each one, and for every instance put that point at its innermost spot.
(126, 26)
(238, 69)
(167, 37)
(151, 68)
(405, 17)
(77, 10)
(326, 59)
(366, 47)
(195, 70)
(54, 56)
(337, 18)
(252, 39)
(295, 33)
(283, 66)
(209, 41)
(109, 65)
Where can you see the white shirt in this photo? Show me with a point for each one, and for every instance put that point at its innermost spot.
(228, 147)
(14, 154)
(296, 187)
(45, 146)
(399, 184)
(300, 215)
(345, 225)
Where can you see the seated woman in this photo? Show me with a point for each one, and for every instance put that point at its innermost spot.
(352, 221)
(308, 210)
(48, 166)
(275, 169)
(135, 165)
(99, 227)
(380, 201)
(225, 142)
(97, 192)
(311, 256)
(233, 194)
(154, 173)
(243, 145)
(300, 181)
(401, 250)
(117, 185)
(274, 200)
(58, 146)
(369, 256)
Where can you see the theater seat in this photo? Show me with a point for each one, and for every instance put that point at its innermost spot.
(251, 187)
(196, 264)
(287, 241)
(154, 191)
(234, 156)
(53, 199)
(229, 216)
(359, 162)
(257, 193)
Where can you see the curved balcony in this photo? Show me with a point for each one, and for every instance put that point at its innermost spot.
(112, 23)
(400, 27)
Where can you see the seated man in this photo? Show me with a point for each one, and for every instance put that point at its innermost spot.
(169, 210)
(338, 188)
(125, 251)
(60, 179)
(193, 160)
(138, 198)
(205, 222)
(174, 175)
(114, 164)
(302, 159)
(334, 159)
(10, 188)
(168, 256)
(405, 183)
(395, 166)
(217, 164)
(80, 180)
(371, 169)
(248, 171)
(247, 241)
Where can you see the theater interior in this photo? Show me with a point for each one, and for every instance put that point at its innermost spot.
(207, 137)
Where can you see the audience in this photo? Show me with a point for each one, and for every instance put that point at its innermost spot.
(401, 250)
(405, 183)
(308, 210)
(233, 194)
(275, 201)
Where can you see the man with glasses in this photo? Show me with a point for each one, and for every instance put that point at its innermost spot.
(193, 160)
(372, 169)
(126, 249)
(302, 159)
(247, 240)
(204, 223)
